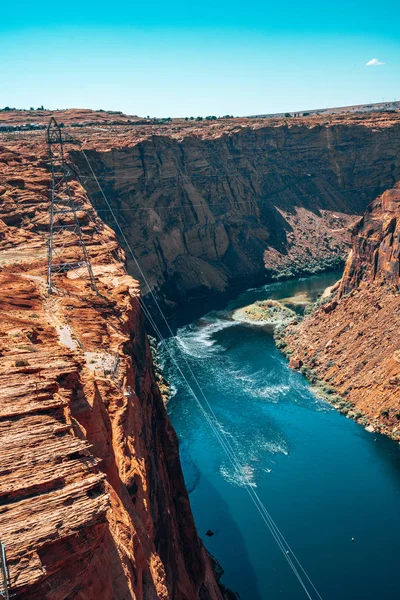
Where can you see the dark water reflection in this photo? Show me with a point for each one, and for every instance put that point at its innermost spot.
(324, 479)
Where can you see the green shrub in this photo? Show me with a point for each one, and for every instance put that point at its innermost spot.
(327, 389)
(281, 344)
(21, 362)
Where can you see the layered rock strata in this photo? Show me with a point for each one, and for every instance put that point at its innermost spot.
(204, 213)
(351, 341)
(92, 498)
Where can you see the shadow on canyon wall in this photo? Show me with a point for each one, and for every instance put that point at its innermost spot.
(200, 214)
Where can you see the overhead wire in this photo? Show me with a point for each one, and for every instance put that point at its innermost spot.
(211, 418)
(217, 428)
(254, 202)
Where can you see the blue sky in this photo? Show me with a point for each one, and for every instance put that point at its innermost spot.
(180, 59)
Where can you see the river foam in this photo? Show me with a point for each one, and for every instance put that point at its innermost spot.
(198, 339)
(320, 475)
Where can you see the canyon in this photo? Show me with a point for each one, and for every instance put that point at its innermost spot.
(93, 499)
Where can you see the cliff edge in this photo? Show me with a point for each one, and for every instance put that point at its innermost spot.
(351, 342)
(92, 498)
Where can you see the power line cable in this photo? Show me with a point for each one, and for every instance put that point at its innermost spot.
(238, 468)
(213, 421)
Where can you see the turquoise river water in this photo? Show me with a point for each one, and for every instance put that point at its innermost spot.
(323, 478)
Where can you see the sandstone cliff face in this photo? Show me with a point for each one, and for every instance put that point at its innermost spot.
(205, 212)
(375, 248)
(351, 341)
(92, 498)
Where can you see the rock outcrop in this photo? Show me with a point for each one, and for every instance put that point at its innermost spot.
(92, 498)
(351, 341)
(265, 312)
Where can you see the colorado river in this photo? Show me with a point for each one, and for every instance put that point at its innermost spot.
(324, 479)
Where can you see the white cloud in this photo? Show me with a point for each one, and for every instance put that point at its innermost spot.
(374, 62)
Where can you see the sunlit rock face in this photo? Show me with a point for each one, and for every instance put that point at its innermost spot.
(93, 502)
(375, 244)
(350, 342)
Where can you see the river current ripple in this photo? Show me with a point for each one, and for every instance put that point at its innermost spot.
(324, 479)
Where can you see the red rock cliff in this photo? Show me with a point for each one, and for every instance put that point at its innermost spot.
(205, 212)
(375, 245)
(351, 342)
(92, 498)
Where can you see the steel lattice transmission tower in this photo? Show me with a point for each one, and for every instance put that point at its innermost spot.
(4, 574)
(66, 246)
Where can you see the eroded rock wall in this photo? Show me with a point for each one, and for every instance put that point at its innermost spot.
(92, 497)
(351, 341)
(203, 213)
(375, 245)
